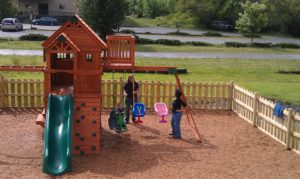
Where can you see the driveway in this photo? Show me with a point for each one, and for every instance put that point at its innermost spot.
(175, 55)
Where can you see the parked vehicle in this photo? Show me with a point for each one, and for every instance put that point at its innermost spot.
(45, 21)
(222, 25)
(11, 24)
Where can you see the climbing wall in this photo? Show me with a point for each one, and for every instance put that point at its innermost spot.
(86, 125)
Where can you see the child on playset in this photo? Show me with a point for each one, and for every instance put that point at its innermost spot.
(177, 105)
(129, 91)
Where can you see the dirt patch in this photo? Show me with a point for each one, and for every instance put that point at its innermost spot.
(231, 149)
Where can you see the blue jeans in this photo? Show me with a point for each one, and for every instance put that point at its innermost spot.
(128, 103)
(175, 124)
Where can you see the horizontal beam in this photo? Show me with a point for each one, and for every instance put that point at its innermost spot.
(23, 68)
(128, 68)
(113, 68)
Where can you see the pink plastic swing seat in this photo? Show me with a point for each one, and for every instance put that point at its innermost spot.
(162, 110)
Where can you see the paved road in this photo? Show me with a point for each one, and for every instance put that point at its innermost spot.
(212, 40)
(174, 55)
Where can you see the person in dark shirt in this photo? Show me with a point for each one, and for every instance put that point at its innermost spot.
(128, 89)
(177, 105)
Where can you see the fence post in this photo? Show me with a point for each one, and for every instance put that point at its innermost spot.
(255, 106)
(289, 128)
(230, 95)
(2, 95)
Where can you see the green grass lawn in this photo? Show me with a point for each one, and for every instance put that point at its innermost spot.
(213, 49)
(256, 75)
(16, 44)
(131, 21)
(36, 45)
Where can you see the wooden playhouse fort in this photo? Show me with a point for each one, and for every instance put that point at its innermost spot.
(75, 59)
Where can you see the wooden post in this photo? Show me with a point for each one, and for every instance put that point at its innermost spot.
(255, 106)
(289, 128)
(115, 88)
(2, 95)
(230, 97)
(121, 91)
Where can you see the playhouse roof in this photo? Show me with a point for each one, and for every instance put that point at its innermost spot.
(63, 38)
(78, 33)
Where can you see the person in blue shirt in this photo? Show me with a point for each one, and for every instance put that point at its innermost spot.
(129, 91)
(177, 106)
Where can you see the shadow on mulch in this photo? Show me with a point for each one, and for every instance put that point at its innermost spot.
(121, 154)
(20, 111)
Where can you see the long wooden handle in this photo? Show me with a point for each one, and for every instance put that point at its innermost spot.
(194, 127)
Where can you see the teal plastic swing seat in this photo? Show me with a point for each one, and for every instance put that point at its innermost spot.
(120, 124)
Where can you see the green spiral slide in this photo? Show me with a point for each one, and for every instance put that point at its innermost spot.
(58, 135)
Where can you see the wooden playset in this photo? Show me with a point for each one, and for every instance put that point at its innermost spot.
(75, 59)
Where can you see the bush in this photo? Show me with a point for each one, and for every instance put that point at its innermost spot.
(34, 37)
(144, 41)
(261, 45)
(236, 44)
(178, 33)
(127, 31)
(286, 45)
(168, 42)
(212, 34)
(194, 43)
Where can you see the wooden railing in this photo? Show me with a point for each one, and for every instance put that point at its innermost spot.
(258, 111)
(216, 96)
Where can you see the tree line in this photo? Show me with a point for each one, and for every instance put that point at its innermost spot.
(282, 15)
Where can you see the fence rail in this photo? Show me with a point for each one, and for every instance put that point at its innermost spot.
(217, 96)
(258, 111)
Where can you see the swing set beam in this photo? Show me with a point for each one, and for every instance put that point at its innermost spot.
(133, 69)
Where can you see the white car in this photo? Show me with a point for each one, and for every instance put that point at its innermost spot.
(11, 24)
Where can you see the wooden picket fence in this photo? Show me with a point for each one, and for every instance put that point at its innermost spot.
(250, 106)
(258, 111)
(216, 96)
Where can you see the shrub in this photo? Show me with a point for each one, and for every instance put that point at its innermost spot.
(261, 45)
(168, 42)
(236, 44)
(127, 31)
(34, 37)
(178, 33)
(144, 41)
(286, 45)
(212, 34)
(194, 43)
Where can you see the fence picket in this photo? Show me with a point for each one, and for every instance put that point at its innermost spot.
(25, 88)
(19, 93)
(39, 94)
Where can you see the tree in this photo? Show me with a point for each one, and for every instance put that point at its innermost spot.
(102, 15)
(7, 9)
(253, 19)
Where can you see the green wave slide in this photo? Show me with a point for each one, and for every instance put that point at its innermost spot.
(58, 135)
